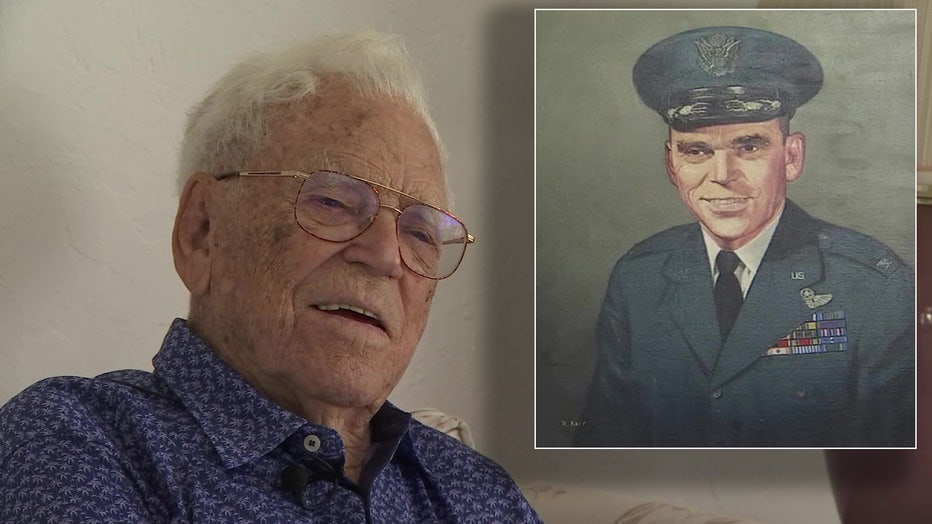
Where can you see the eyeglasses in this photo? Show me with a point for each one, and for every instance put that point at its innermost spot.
(336, 207)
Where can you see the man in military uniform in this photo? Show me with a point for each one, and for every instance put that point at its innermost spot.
(760, 325)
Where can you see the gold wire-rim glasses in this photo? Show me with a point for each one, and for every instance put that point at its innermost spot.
(375, 186)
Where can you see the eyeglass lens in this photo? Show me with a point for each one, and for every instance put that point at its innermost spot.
(336, 207)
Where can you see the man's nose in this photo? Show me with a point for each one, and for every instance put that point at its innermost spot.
(377, 247)
(722, 168)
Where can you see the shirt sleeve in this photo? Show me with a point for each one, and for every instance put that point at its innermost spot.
(610, 417)
(885, 401)
(58, 465)
(65, 478)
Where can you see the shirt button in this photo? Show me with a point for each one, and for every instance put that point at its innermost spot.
(717, 394)
(312, 443)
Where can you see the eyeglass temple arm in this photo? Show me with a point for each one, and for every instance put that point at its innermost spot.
(469, 240)
(228, 174)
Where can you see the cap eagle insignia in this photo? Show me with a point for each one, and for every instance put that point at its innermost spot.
(717, 54)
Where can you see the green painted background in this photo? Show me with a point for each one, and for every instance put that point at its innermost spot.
(600, 181)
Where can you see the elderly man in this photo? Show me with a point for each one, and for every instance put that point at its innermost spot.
(760, 325)
(311, 233)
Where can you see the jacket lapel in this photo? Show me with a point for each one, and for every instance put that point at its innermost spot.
(774, 306)
(690, 283)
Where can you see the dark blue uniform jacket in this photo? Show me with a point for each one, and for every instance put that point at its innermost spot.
(665, 378)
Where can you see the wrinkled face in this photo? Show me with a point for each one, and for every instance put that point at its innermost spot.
(292, 304)
(733, 177)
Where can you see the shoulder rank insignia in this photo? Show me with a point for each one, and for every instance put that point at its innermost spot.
(813, 300)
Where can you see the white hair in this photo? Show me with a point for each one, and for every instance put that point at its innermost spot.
(230, 124)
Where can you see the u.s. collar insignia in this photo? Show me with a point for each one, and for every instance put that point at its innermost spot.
(813, 300)
(717, 54)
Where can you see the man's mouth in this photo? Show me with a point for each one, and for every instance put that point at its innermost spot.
(726, 204)
(729, 200)
(353, 313)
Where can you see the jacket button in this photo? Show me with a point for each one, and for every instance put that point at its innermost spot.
(800, 394)
(717, 394)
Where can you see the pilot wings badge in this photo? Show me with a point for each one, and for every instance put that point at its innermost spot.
(717, 54)
(813, 300)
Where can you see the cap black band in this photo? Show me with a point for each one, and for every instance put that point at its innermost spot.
(726, 104)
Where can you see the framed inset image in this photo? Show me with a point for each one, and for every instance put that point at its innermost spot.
(725, 242)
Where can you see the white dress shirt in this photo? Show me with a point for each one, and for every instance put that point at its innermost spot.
(750, 254)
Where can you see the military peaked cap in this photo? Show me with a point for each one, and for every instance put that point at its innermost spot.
(723, 75)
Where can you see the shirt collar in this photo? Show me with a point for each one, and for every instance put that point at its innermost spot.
(751, 254)
(240, 422)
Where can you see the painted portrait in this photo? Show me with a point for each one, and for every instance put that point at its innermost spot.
(725, 228)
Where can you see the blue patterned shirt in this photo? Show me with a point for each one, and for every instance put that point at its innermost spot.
(195, 442)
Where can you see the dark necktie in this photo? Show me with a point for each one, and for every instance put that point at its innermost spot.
(728, 298)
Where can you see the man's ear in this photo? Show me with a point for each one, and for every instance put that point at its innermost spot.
(192, 233)
(668, 161)
(794, 155)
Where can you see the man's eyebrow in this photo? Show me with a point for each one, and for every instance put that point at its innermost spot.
(683, 145)
(754, 140)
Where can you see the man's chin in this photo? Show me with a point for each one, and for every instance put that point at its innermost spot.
(730, 236)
